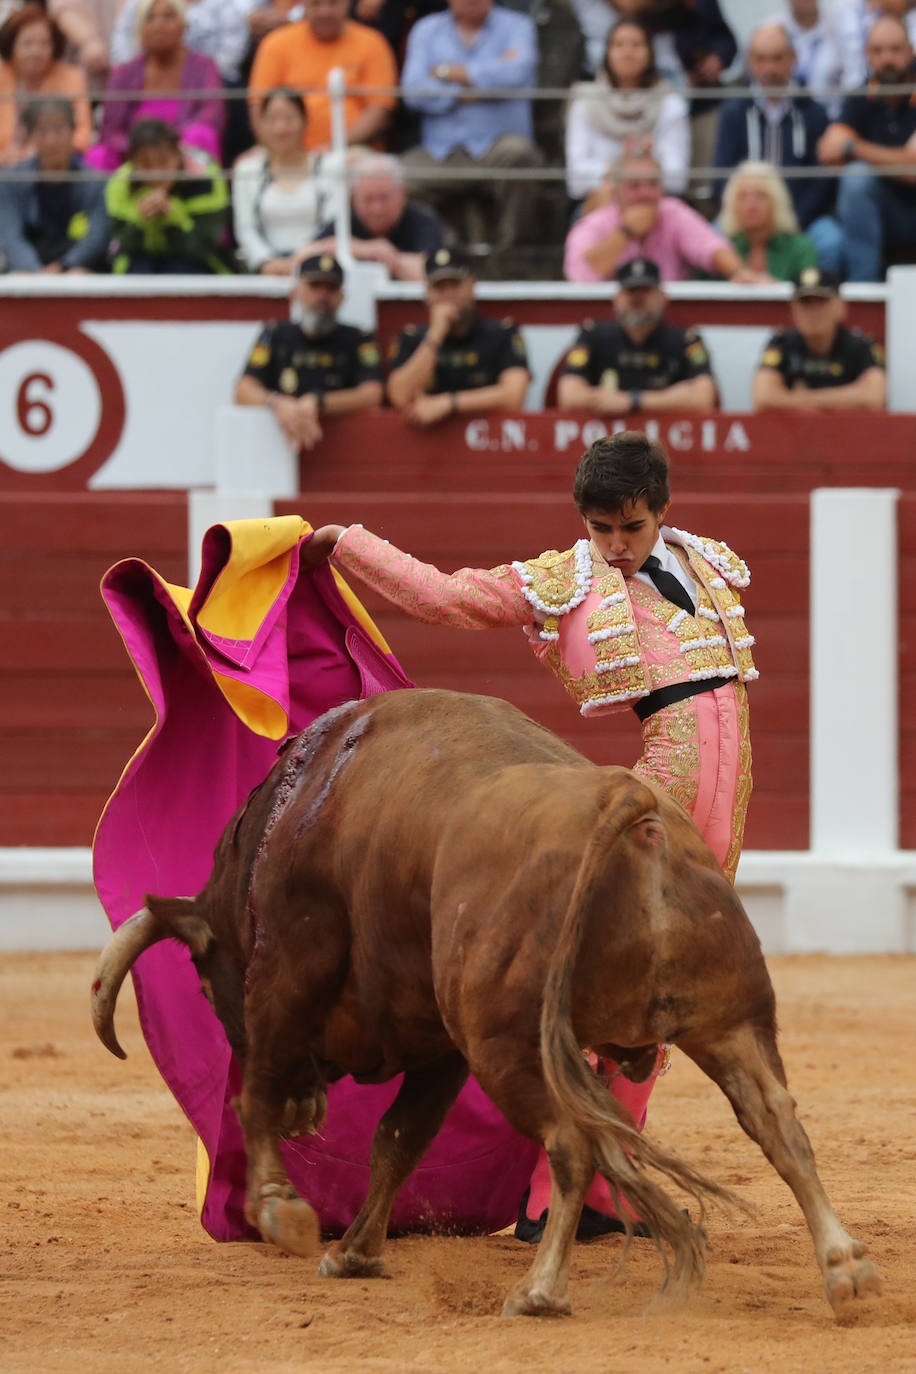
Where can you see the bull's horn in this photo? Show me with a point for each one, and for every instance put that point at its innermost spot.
(117, 958)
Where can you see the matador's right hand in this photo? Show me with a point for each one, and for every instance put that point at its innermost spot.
(319, 548)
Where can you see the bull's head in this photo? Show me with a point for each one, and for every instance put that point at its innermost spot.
(163, 918)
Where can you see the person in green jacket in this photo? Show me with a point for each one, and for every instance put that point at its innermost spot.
(757, 216)
(168, 206)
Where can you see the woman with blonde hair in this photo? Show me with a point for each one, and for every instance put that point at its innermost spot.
(757, 216)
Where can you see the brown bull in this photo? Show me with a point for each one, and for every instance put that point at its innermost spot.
(429, 883)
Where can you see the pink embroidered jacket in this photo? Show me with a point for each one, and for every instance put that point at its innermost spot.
(609, 640)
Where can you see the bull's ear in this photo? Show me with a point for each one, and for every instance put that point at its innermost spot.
(183, 921)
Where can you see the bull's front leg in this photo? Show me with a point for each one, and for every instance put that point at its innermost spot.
(544, 1291)
(401, 1138)
(272, 1204)
(743, 1069)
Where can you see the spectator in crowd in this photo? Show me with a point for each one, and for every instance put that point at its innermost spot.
(757, 216)
(163, 71)
(385, 226)
(693, 46)
(302, 54)
(638, 221)
(314, 368)
(461, 362)
(627, 99)
(87, 26)
(854, 19)
(278, 191)
(876, 134)
(820, 364)
(217, 29)
(470, 48)
(638, 361)
(773, 127)
(31, 52)
(168, 206)
(816, 43)
(52, 226)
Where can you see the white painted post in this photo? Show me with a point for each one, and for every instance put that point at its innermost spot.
(854, 765)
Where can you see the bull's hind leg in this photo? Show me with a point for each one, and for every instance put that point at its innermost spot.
(401, 1138)
(743, 1066)
(544, 1291)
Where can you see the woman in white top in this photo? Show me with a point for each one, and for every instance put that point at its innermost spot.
(627, 99)
(278, 194)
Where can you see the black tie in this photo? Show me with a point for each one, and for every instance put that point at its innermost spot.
(670, 587)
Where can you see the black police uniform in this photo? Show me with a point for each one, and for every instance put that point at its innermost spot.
(605, 355)
(852, 354)
(287, 360)
(478, 359)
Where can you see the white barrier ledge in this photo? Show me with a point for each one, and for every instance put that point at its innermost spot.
(800, 903)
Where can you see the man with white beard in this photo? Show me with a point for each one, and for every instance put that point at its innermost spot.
(314, 366)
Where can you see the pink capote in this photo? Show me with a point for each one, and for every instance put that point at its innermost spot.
(157, 834)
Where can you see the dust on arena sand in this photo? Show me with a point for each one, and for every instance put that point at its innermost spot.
(106, 1268)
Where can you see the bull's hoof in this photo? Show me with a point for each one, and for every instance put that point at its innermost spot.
(291, 1224)
(850, 1275)
(524, 1302)
(350, 1264)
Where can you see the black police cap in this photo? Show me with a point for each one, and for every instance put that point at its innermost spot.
(322, 267)
(812, 281)
(449, 264)
(639, 272)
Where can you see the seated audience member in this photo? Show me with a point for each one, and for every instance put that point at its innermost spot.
(385, 226)
(627, 99)
(638, 361)
(164, 69)
(693, 46)
(160, 222)
(87, 26)
(820, 364)
(757, 216)
(304, 371)
(461, 362)
(640, 222)
(278, 192)
(52, 226)
(818, 54)
(854, 19)
(453, 59)
(217, 29)
(301, 55)
(31, 49)
(772, 127)
(877, 131)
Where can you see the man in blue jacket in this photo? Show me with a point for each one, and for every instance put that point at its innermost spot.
(51, 225)
(771, 127)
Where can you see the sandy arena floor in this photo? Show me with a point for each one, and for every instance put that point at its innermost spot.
(105, 1267)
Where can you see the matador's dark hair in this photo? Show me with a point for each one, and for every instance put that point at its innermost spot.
(620, 469)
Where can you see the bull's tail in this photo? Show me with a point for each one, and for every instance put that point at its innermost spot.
(621, 1153)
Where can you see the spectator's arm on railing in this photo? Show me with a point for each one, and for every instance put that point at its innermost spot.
(254, 249)
(695, 393)
(575, 393)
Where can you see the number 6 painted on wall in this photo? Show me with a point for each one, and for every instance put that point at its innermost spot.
(27, 405)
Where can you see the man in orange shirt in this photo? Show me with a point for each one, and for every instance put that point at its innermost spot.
(300, 55)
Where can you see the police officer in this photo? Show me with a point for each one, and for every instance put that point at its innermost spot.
(315, 367)
(820, 364)
(461, 362)
(638, 361)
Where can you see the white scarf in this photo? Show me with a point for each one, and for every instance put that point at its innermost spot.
(620, 114)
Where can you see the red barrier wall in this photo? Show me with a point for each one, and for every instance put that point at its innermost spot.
(71, 709)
